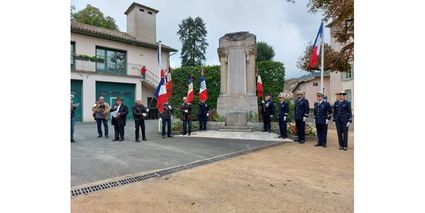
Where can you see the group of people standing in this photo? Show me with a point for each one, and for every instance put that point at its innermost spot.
(118, 113)
(323, 112)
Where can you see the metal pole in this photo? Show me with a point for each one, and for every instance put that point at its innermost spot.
(323, 59)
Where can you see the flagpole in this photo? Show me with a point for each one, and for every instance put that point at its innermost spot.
(323, 59)
(159, 71)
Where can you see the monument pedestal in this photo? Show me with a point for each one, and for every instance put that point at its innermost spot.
(226, 105)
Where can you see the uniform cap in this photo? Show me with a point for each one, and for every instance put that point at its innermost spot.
(320, 94)
(342, 92)
(299, 93)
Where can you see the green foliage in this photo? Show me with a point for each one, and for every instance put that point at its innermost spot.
(177, 125)
(272, 74)
(93, 16)
(193, 35)
(265, 52)
(180, 87)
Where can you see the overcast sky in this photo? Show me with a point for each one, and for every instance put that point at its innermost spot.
(285, 26)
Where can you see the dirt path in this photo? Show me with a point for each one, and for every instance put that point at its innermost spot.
(287, 178)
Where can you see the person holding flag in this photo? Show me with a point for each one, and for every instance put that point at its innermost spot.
(203, 106)
(186, 109)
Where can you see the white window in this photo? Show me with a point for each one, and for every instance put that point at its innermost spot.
(348, 96)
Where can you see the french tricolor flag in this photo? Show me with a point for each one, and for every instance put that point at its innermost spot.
(203, 94)
(161, 94)
(190, 90)
(316, 47)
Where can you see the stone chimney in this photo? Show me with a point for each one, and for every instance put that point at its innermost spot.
(141, 22)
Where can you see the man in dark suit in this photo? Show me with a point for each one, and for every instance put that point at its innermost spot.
(301, 109)
(119, 117)
(186, 109)
(204, 112)
(342, 118)
(283, 115)
(322, 116)
(268, 111)
(139, 114)
(166, 120)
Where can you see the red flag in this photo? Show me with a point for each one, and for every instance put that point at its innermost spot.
(259, 85)
(203, 94)
(190, 90)
(169, 85)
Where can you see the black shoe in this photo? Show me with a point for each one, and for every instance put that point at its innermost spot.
(184, 134)
(264, 131)
(137, 140)
(345, 148)
(301, 141)
(122, 139)
(116, 139)
(144, 139)
(284, 137)
(99, 136)
(319, 145)
(340, 148)
(170, 136)
(324, 146)
(297, 140)
(73, 141)
(106, 136)
(189, 134)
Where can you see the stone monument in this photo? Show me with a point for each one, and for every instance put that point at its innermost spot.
(237, 101)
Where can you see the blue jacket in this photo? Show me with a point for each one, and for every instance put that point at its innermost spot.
(322, 112)
(283, 110)
(302, 108)
(268, 108)
(203, 109)
(342, 111)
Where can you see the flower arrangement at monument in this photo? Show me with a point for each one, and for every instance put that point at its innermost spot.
(310, 130)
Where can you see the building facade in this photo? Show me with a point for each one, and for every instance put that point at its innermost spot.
(107, 62)
(310, 85)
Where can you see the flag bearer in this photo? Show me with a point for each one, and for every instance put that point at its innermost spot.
(166, 120)
(283, 115)
(186, 109)
(342, 117)
(322, 116)
(203, 115)
(268, 111)
(301, 109)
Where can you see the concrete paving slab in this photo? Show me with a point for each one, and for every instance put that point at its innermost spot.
(256, 135)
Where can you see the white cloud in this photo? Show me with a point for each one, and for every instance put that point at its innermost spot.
(285, 26)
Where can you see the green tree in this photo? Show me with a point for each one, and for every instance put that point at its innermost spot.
(334, 61)
(93, 16)
(193, 35)
(265, 52)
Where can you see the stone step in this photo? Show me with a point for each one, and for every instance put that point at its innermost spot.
(236, 127)
(236, 130)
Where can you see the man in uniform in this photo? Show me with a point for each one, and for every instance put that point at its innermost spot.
(268, 111)
(203, 115)
(119, 118)
(166, 120)
(342, 117)
(283, 115)
(100, 114)
(186, 109)
(139, 114)
(322, 116)
(301, 109)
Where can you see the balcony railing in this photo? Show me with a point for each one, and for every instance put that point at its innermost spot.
(132, 69)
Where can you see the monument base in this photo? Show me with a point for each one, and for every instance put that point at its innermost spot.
(229, 105)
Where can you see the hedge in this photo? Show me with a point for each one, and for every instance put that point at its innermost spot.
(272, 75)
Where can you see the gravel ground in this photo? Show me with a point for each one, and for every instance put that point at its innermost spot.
(287, 178)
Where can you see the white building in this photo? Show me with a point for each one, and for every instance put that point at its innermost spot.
(121, 54)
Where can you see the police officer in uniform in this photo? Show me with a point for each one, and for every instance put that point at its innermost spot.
(166, 120)
(342, 117)
(186, 109)
(268, 111)
(204, 112)
(301, 109)
(322, 116)
(139, 113)
(283, 115)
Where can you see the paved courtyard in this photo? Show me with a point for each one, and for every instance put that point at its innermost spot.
(94, 159)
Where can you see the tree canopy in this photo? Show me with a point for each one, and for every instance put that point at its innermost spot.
(334, 61)
(193, 35)
(265, 52)
(93, 16)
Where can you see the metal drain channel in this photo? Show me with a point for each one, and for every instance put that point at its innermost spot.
(85, 190)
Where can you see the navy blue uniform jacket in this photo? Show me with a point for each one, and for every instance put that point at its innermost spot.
(322, 112)
(302, 108)
(342, 111)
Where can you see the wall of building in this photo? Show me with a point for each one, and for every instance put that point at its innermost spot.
(311, 91)
(135, 54)
(335, 86)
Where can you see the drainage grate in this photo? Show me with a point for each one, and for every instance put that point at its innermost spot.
(98, 187)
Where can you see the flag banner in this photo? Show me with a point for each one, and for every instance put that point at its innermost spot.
(161, 94)
(316, 47)
(190, 90)
(203, 94)
(259, 85)
(169, 85)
